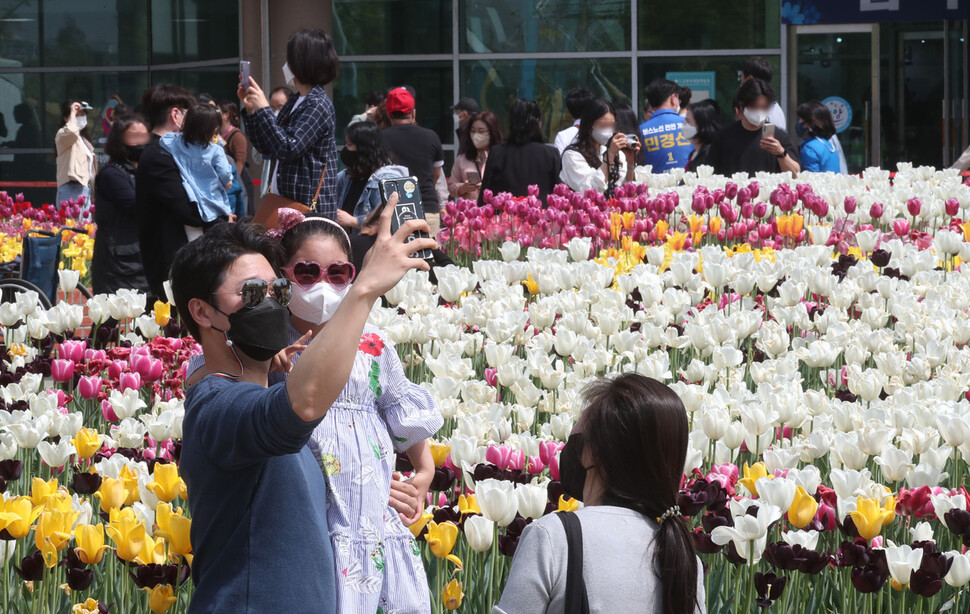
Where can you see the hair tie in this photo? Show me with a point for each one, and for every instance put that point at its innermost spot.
(288, 218)
(671, 512)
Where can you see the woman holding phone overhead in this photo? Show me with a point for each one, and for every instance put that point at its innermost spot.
(299, 141)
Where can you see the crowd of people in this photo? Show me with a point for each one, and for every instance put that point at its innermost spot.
(281, 319)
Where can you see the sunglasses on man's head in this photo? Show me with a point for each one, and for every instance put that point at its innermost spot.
(253, 291)
(307, 273)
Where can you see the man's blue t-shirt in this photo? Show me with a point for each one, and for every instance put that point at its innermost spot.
(258, 500)
(819, 156)
(663, 144)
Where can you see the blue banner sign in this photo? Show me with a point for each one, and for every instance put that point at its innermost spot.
(799, 12)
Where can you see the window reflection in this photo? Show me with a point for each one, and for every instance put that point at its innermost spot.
(362, 27)
(549, 25)
(496, 84)
(710, 24)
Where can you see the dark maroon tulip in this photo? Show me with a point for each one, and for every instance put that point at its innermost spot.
(84, 483)
(80, 579)
(703, 542)
(958, 521)
(10, 470)
(769, 587)
(31, 567)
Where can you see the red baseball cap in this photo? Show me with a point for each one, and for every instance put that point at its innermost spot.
(399, 100)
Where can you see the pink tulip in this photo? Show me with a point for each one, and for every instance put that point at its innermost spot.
(62, 370)
(150, 369)
(72, 350)
(913, 205)
(516, 461)
(90, 386)
(760, 210)
(548, 450)
(116, 368)
(952, 207)
(554, 467)
(535, 465)
(875, 211)
(849, 205)
(901, 227)
(498, 456)
(108, 412)
(130, 380)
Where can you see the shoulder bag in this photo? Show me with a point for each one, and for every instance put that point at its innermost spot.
(577, 601)
(269, 208)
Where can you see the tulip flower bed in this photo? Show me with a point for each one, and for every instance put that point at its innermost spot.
(821, 355)
(18, 217)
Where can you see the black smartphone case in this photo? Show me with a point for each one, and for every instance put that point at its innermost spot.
(408, 207)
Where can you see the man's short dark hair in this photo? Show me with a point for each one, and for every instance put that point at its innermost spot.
(685, 95)
(659, 91)
(759, 68)
(159, 100)
(374, 98)
(577, 99)
(751, 90)
(312, 57)
(200, 266)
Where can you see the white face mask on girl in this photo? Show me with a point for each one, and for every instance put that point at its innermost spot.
(602, 136)
(82, 122)
(688, 131)
(288, 75)
(318, 303)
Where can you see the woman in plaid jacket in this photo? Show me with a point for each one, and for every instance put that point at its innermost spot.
(299, 142)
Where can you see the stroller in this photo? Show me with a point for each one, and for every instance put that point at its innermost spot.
(36, 268)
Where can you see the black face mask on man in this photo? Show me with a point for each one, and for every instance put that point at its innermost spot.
(259, 332)
(572, 473)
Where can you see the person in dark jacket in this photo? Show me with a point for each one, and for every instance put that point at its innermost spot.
(116, 263)
(301, 139)
(703, 121)
(166, 215)
(524, 159)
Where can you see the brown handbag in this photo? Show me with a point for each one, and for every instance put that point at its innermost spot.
(268, 213)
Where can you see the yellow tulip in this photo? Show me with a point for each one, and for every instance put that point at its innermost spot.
(16, 516)
(152, 552)
(965, 227)
(531, 285)
(661, 228)
(567, 505)
(112, 494)
(41, 490)
(128, 535)
(167, 482)
(677, 241)
(87, 442)
(783, 222)
(52, 533)
(163, 313)
(802, 509)
(714, 226)
(161, 598)
(441, 539)
(452, 595)
(178, 534)
(629, 218)
(440, 452)
(468, 504)
(129, 478)
(753, 474)
(88, 607)
(869, 518)
(797, 223)
(90, 543)
(418, 526)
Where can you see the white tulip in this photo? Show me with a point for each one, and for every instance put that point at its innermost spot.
(510, 251)
(480, 532)
(532, 500)
(56, 456)
(959, 573)
(805, 539)
(903, 560)
(497, 500)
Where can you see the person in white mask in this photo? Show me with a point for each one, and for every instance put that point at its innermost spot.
(599, 159)
(378, 413)
(483, 133)
(77, 163)
(748, 145)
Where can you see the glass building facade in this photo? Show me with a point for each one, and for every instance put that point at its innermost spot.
(500, 50)
(105, 52)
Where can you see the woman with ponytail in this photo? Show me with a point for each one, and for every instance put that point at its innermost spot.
(624, 460)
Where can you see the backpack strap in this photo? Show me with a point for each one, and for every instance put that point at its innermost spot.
(577, 601)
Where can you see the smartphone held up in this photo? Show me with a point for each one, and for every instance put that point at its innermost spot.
(408, 208)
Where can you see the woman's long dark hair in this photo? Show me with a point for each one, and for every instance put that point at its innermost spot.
(525, 122)
(231, 109)
(494, 133)
(626, 119)
(586, 144)
(707, 116)
(294, 238)
(817, 118)
(115, 145)
(635, 429)
(372, 150)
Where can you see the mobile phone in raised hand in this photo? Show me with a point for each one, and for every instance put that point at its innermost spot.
(768, 131)
(244, 73)
(408, 208)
